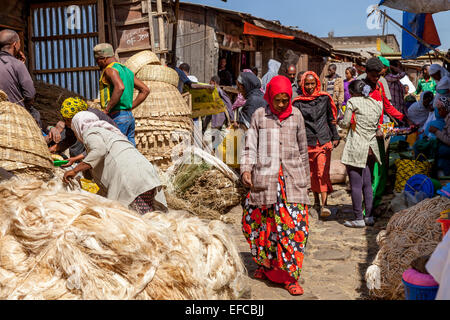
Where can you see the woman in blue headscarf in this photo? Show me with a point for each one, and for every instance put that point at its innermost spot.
(429, 144)
(442, 132)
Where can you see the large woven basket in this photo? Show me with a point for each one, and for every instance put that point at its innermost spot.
(164, 100)
(137, 61)
(156, 137)
(21, 142)
(158, 73)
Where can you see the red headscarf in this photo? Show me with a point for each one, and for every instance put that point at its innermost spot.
(317, 93)
(279, 84)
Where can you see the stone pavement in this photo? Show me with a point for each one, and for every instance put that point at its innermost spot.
(335, 261)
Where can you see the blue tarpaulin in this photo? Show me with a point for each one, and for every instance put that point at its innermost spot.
(411, 48)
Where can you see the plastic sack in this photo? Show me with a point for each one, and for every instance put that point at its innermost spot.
(408, 168)
(414, 198)
(399, 202)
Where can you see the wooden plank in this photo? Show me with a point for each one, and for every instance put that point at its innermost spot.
(66, 36)
(124, 3)
(31, 61)
(150, 25)
(76, 69)
(132, 22)
(113, 24)
(101, 21)
(175, 32)
(61, 4)
(162, 36)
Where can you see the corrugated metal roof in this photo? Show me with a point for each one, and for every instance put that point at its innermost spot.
(272, 25)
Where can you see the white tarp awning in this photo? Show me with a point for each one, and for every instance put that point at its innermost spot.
(418, 6)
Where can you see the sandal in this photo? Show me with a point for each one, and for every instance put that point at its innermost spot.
(259, 274)
(355, 224)
(325, 212)
(294, 288)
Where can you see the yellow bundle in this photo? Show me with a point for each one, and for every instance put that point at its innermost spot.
(88, 185)
(406, 169)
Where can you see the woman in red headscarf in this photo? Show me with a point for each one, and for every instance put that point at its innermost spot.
(319, 112)
(274, 165)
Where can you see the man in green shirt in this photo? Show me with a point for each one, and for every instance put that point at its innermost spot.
(426, 83)
(117, 83)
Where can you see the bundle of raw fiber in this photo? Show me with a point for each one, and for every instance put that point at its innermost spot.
(22, 146)
(202, 184)
(410, 233)
(56, 244)
(48, 100)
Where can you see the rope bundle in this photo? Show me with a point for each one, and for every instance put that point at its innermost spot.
(410, 233)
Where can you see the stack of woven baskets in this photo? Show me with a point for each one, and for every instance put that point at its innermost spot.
(23, 150)
(163, 120)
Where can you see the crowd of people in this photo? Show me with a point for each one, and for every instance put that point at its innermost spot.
(291, 127)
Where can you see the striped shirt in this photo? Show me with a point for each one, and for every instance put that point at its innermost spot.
(270, 143)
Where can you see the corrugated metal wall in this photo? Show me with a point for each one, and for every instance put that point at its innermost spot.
(62, 41)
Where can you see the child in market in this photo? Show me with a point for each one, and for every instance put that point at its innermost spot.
(361, 149)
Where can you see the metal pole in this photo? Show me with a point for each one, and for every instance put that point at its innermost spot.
(413, 35)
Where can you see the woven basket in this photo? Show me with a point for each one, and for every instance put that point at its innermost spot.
(156, 137)
(164, 100)
(3, 96)
(21, 142)
(158, 73)
(137, 61)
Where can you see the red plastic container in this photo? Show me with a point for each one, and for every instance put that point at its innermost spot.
(445, 224)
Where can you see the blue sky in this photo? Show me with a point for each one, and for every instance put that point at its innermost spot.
(318, 17)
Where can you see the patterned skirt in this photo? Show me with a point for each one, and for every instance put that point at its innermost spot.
(144, 202)
(277, 235)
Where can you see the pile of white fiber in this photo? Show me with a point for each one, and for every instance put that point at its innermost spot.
(410, 234)
(60, 244)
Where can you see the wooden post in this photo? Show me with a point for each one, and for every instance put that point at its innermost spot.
(31, 64)
(162, 36)
(150, 25)
(112, 21)
(101, 21)
(174, 33)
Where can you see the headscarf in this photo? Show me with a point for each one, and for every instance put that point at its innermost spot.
(443, 84)
(71, 106)
(434, 68)
(85, 120)
(274, 67)
(279, 84)
(250, 82)
(317, 93)
(384, 61)
(240, 100)
(417, 112)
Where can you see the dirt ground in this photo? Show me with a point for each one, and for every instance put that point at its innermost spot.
(336, 257)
